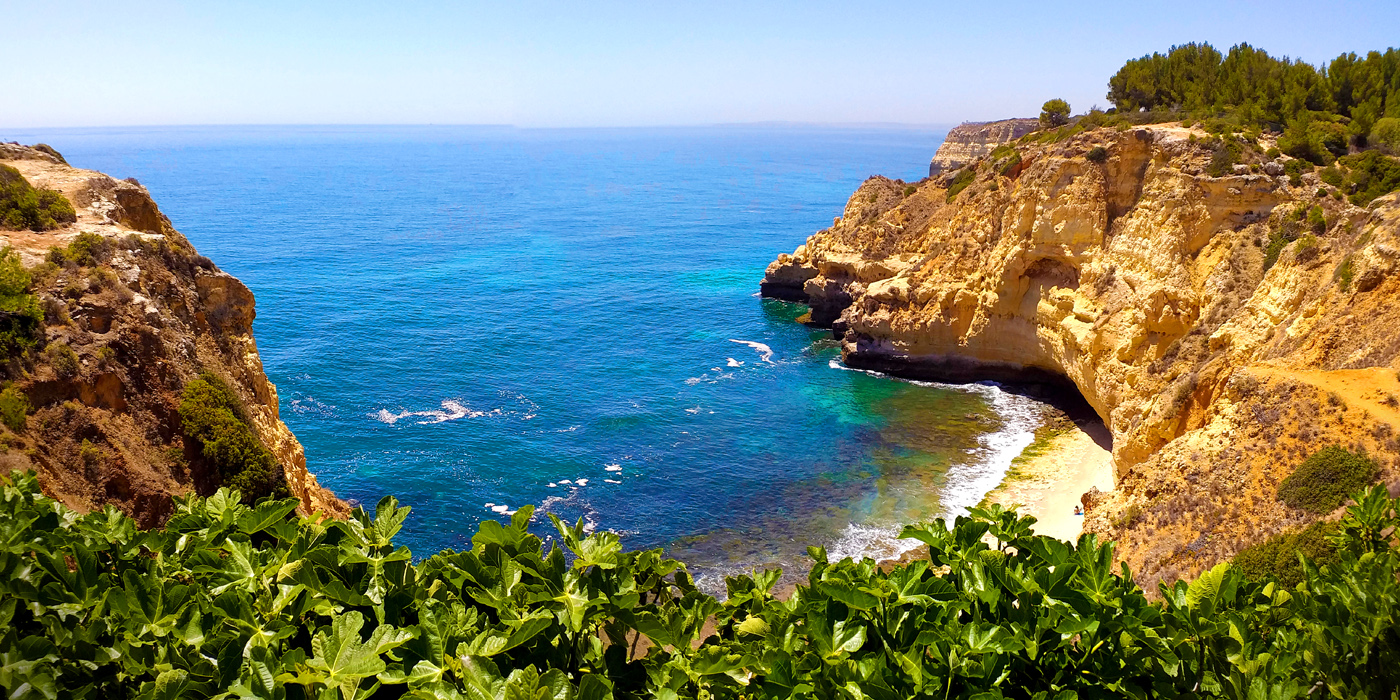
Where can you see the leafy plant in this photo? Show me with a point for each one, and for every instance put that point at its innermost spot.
(960, 182)
(85, 250)
(212, 415)
(1054, 113)
(1277, 557)
(233, 601)
(14, 408)
(24, 207)
(1097, 154)
(1345, 272)
(21, 320)
(1320, 483)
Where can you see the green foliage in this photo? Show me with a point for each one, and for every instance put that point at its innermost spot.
(85, 250)
(236, 601)
(965, 177)
(211, 414)
(1317, 219)
(910, 189)
(1277, 557)
(21, 320)
(1345, 272)
(1226, 154)
(1097, 154)
(1325, 478)
(1315, 140)
(1386, 134)
(1369, 176)
(24, 207)
(14, 408)
(1054, 113)
(1249, 88)
(63, 360)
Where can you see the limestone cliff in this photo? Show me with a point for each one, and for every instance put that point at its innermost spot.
(1147, 285)
(970, 141)
(122, 336)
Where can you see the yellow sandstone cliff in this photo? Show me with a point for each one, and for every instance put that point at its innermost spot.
(139, 325)
(1141, 281)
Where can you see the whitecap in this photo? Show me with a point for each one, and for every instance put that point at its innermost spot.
(734, 363)
(552, 484)
(581, 482)
(765, 353)
(565, 481)
(451, 410)
(501, 508)
(488, 505)
(693, 411)
(613, 468)
(610, 481)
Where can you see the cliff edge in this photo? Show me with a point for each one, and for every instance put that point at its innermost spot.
(130, 316)
(1224, 328)
(966, 143)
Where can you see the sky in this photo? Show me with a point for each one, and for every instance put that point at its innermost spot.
(600, 63)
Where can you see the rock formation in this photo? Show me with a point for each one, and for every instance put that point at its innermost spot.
(970, 141)
(123, 337)
(1147, 286)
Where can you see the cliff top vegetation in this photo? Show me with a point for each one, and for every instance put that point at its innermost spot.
(229, 600)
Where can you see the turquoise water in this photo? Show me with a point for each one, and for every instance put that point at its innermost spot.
(483, 318)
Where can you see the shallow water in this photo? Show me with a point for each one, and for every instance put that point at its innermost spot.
(476, 319)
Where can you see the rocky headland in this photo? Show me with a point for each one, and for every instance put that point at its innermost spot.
(124, 330)
(1220, 332)
(966, 143)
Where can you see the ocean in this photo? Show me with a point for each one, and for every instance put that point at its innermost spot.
(476, 319)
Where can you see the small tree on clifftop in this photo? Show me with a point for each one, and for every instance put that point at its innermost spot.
(1054, 113)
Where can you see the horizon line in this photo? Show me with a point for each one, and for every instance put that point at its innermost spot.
(715, 125)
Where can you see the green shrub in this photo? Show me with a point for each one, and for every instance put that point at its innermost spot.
(14, 408)
(1054, 113)
(21, 319)
(910, 189)
(1325, 478)
(1226, 154)
(211, 415)
(1332, 175)
(965, 177)
(85, 250)
(226, 600)
(63, 360)
(1006, 165)
(1386, 134)
(1345, 272)
(1317, 219)
(1277, 557)
(24, 207)
(1097, 154)
(1272, 153)
(1370, 176)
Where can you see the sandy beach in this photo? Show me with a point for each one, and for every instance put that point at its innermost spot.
(1049, 484)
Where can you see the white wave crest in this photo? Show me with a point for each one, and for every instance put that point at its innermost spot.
(765, 353)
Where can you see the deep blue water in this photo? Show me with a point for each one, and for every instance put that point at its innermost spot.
(469, 317)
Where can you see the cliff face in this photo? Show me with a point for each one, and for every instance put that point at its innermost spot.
(968, 142)
(1143, 283)
(124, 334)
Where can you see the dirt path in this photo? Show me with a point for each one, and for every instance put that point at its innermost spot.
(1374, 389)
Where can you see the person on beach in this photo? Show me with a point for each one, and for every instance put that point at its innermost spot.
(1078, 510)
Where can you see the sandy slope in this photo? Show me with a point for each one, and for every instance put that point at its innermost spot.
(1049, 486)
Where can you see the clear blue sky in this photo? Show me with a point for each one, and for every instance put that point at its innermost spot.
(602, 63)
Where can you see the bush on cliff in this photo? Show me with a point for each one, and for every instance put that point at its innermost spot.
(1324, 479)
(24, 207)
(1054, 113)
(1277, 557)
(1369, 176)
(960, 182)
(213, 417)
(254, 601)
(85, 250)
(14, 408)
(21, 320)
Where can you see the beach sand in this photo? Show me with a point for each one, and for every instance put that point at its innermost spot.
(1049, 485)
